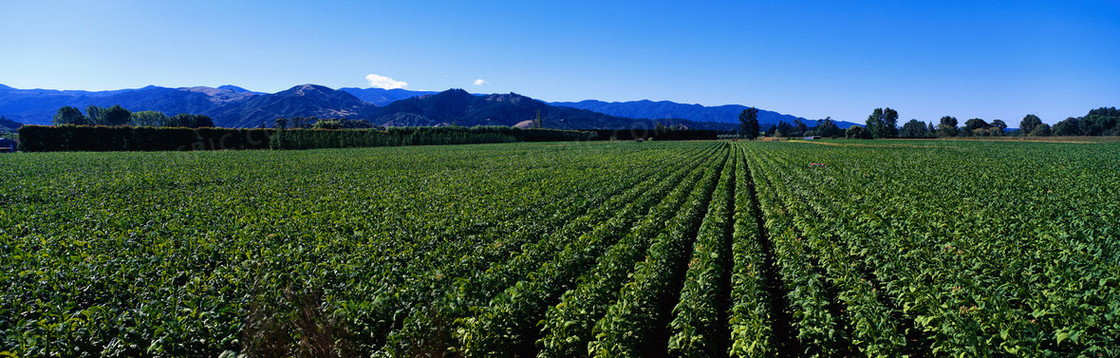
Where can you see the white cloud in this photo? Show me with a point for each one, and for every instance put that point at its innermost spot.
(380, 81)
(479, 82)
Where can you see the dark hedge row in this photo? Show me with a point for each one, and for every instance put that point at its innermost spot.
(118, 138)
(396, 136)
(104, 138)
(656, 134)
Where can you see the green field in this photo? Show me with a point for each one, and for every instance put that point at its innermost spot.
(888, 248)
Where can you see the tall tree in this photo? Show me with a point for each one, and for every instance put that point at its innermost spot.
(783, 130)
(997, 128)
(70, 115)
(998, 123)
(148, 119)
(1067, 127)
(976, 123)
(94, 114)
(799, 128)
(1041, 130)
(1026, 126)
(931, 130)
(115, 116)
(874, 125)
(948, 127)
(203, 121)
(975, 126)
(828, 128)
(748, 123)
(914, 129)
(890, 123)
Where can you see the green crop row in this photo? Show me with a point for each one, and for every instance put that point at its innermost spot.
(751, 325)
(977, 249)
(699, 324)
(134, 254)
(819, 327)
(632, 325)
(474, 291)
(567, 328)
(613, 249)
(501, 326)
(870, 324)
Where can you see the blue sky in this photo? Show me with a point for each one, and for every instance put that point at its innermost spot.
(986, 59)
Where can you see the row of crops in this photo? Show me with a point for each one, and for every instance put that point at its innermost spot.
(694, 249)
(923, 248)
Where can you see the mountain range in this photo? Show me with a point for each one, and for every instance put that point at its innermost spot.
(232, 106)
(459, 107)
(666, 109)
(9, 125)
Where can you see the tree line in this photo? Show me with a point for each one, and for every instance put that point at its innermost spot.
(883, 123)
(119, 116)
(328, 123)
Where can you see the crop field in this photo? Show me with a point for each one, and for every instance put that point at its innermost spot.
(611, 249)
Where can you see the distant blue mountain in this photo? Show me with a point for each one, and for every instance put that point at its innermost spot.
(238, 89)
(306, 100)
(381, 96)
(233, 106)
(9, 125)
(693, 112)
(38, 106)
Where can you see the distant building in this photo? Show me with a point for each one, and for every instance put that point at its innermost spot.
(7, 145)
(811, 138)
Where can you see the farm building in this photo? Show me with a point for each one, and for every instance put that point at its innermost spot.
(7, 145)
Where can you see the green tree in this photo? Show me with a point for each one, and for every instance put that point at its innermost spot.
(203, 121)
(1068, 127)
(112, 116)
(948, 127)
(976, 123)
(116, 116)
(857, 132)
(828, 128)
(70, 115)
(799, 128)
(914, 129)
(148, 119)
(298, 122)
(883, 123)
(1041, 130)
(1100, 121)
(1028, 124)
(748, 123)
(94, 114)
(327, 124)
(890, 123)
(998, 128)
(874, 125)
(783, 129)
(975, 126)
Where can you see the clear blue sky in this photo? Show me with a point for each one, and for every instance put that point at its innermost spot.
(986, 59)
